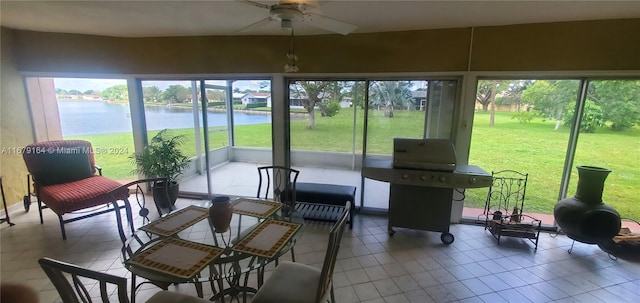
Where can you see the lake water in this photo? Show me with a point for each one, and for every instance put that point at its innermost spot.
(97, 117)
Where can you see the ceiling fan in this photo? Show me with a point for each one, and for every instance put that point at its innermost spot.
(289, 11)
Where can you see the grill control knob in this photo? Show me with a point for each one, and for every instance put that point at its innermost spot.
(423, 177)
(405, 176)
(442, 179)
(473, 180)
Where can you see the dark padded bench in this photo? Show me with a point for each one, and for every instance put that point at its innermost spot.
(324, 202)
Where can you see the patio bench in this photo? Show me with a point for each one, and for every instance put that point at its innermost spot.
(324, 202)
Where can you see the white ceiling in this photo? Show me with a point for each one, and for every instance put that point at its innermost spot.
(227, 17)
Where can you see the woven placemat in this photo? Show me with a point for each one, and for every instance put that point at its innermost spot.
(268, 238)
(177, 221)
(256, 208)
(176, 257)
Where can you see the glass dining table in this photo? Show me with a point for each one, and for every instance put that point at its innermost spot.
(181, 247)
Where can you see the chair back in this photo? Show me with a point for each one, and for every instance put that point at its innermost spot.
(506, 192)
(75, 291)
(58, 162)
(127, 232)
(134, 241)
(335, 236)
(278, 183)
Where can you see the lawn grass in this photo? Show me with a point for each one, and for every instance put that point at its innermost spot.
(534, 148)
(539, 150)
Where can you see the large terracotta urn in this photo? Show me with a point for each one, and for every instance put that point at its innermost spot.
(220, 214)
(584, 217)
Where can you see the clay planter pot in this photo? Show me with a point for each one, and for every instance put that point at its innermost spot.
(220, 214)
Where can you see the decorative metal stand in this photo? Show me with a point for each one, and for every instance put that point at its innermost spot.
(504, 206)
(4, 203)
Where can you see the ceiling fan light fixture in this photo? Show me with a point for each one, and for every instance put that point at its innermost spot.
(286, 24)
(292, 59)
(290, 68)
(287, 12)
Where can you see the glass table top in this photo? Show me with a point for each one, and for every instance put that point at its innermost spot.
(181, 246)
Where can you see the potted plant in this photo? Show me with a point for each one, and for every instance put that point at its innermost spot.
(162, 158)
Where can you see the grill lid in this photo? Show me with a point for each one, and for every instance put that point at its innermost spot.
(426, 154)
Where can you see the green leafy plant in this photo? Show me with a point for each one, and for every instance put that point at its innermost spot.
(592, 117)
(162, 157)
(330, 108)
(523, 117)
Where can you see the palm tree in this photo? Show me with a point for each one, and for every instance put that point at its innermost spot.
(390, 94)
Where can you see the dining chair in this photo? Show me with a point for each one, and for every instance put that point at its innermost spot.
(133, 241)
(279, 184)
(80, 286)
(276, 183)
(298, 283)
(111, 287)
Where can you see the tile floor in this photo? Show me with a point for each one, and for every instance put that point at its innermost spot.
(411, 266)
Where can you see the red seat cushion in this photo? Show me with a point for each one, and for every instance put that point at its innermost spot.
(81, 194)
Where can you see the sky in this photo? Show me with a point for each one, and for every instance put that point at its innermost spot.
(85, 84)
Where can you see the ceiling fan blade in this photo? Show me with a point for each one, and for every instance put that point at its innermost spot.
(258, 4)
(330, 24)
(257, 24)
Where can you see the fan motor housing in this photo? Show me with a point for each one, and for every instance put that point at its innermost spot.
(286, 12)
